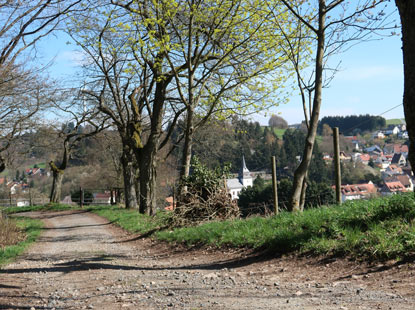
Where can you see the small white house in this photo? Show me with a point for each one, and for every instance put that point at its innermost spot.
(378, 135)
(392, 130)
(22, 203)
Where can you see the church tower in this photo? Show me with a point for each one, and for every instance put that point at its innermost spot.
(244, 175)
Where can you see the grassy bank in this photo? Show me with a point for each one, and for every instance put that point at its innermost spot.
(28, 231)
(375, 229)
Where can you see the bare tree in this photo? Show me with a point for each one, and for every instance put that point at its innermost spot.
(22, 91)
(331, 26)
(132, 93)
(80, 123)
(22, 95)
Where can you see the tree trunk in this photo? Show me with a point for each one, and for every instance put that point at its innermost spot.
(130, 180)
(188, 143)
(146, 156)
(303, 193)
(407, 13)
(301, 172)
(187, 150)
(55, 194)
(148, 181)
(2, 164)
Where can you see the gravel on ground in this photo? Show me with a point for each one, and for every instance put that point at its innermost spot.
(82, 261)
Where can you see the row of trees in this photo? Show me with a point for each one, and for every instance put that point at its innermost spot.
(353, 124)
(150, 64)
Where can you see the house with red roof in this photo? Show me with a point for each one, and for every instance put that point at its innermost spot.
(358, 191)
(391, 188)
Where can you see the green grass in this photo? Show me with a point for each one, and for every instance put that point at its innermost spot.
(130, 220)
(377, 229)
(4, 173)
(394, 121)
(32, 229)
(279, 132)
(39, 165)
(48, 207)
(382, 228)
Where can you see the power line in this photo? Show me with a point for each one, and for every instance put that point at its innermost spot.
(364, 122)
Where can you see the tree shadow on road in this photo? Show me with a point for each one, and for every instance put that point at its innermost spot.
(103, 262)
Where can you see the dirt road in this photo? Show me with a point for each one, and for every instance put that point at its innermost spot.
(83, 262)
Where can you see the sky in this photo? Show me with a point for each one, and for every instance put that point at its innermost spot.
(370, 80)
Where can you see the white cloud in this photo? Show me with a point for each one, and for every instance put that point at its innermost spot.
(73, 58)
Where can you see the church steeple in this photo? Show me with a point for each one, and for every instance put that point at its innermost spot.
(244, 168)
(244, 175)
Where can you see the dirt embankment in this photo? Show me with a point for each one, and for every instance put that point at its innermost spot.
(83, 262)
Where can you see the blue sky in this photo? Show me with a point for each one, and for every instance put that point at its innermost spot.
(370, 80)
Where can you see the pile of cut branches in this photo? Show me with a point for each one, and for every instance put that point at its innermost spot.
(204, 197)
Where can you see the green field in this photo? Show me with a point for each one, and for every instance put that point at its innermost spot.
(39, 165)
(395, 121)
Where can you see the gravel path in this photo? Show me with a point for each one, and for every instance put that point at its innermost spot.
(83, 262)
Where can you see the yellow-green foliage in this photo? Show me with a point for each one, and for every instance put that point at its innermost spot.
(236, 49)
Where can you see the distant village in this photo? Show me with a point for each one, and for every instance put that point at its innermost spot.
(390, 159)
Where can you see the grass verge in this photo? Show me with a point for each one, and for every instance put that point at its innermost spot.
(372, 229)
(31, 229)
(131, 220)
(48, 207)
(382, 228)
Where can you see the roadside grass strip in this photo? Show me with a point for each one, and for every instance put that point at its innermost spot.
(31, 229)
(47, 207)
(381, 228)
(130, 219)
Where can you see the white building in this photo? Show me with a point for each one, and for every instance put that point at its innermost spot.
(243, 180)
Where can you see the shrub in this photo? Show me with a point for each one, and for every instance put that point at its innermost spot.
(88, 197)
(258, 199)
(205, 197)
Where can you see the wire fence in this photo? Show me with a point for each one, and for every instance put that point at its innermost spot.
(95, 196)
(23, 202)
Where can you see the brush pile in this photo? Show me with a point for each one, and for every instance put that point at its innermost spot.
(203, 197)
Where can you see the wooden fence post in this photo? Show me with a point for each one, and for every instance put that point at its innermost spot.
(337, 165)
(274, 184)
(112, 196)
(81, 197)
